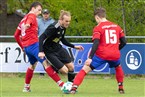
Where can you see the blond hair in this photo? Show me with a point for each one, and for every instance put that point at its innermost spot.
(62, 13)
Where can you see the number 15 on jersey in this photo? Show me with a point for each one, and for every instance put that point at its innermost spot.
(111, 37)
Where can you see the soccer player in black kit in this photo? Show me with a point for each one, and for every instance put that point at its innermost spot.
(50, 47)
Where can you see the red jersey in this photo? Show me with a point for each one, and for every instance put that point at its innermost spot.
(109, 34)
(30, 35)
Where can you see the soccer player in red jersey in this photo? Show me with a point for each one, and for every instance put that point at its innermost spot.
(108, 39)
(26, 36)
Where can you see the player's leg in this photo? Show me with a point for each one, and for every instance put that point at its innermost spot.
(53, 60)
(71, 74)
(119, 74)
(80, 77)
(65, 58)
(96, 62)
(52, 73)
(28, 77)
(58, 60)
(29, 73)
(120, 78)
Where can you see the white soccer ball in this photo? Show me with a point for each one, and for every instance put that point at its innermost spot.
(66, 87)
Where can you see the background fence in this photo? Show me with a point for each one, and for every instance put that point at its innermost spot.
(132, 39)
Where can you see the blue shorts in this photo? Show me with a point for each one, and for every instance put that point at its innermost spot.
(32, 53)
(96, 62)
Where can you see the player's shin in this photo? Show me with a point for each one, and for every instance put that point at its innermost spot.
(77, 81)
(79, 78)
(29, 75)
(54, 75)
(120, 78)
(71, 76)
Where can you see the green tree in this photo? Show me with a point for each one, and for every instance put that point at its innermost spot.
(82, 13)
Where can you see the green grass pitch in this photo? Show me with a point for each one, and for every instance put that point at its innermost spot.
(92, 86)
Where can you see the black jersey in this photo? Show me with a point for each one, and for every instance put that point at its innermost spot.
(50, 39)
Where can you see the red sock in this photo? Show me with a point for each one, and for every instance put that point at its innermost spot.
(52, 74)
(60, 83)
(119, 76)
(29, 75)
(79, 78)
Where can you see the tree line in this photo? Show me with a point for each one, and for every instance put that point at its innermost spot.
(129, 14)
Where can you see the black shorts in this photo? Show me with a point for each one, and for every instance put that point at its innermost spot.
(58, 58)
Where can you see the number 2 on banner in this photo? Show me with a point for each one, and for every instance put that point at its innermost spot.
(110, 36)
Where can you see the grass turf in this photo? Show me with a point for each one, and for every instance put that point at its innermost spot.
(92, 86)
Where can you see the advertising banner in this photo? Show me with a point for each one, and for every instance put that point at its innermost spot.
(133, 59)
(13, 59)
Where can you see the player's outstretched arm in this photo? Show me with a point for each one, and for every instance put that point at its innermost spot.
(18, 38)
(79, 47)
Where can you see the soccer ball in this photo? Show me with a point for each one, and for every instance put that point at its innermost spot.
(66, 87)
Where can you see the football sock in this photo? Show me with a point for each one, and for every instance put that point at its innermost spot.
(120, 85)
(119, 76)
(60, 83)
(52, 74)
(79, 78)
(27, 85)
(71, 76)
(29, 75)
(74, 88)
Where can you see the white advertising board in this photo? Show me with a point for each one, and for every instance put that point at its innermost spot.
(13, 59)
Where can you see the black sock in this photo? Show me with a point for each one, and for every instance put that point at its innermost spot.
(71, 76)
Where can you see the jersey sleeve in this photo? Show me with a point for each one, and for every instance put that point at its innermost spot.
(96, 33)
(65, 42)
(30, 19)
(121, 33)
(18, 38)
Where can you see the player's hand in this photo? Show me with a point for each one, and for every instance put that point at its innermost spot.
(88, 62)
(41, 55)
(79, 47)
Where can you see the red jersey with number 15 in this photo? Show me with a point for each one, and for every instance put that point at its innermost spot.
(109, 34)
(28, 36)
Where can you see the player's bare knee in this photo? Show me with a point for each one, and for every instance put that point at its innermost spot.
(70, 66)
(86, 68)
(32, 67)
(64, 70)
(46, 64)
(86, 64)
